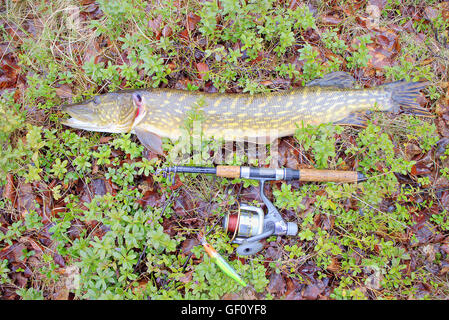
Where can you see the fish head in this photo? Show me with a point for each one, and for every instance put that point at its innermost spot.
(116, 112)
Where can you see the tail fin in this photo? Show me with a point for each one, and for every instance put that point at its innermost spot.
(404, 94)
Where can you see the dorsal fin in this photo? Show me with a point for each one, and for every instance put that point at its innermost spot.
(338, 79)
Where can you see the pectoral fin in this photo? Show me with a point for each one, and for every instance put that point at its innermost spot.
(337, 79)
(150, 140)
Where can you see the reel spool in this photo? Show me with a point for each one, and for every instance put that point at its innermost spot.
(247, 222)
(248, 225)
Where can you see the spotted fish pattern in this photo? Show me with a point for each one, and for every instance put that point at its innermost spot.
(156, 113)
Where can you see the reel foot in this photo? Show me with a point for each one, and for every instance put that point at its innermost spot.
(249, 248)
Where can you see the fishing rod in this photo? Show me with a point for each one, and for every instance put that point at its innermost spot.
(249, 225)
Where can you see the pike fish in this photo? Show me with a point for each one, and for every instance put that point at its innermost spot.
(156, 113)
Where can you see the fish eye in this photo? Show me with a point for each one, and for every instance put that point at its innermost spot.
(137, 98)
(96, 100)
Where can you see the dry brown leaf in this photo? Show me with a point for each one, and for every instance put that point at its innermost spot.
(231, 296)
(334, 266)
(444, 267)
(64, 91)
(294, 4)
(58, 259)
(184, 34)
(167, 31)
(412, 150)
(442, 127)
(192, 21)
(313, 290)
(61, 294)
(202, 68)
(277, 284)
(187, 277)
(155, 26)
(332, 20)
(9, 189)
(25, 198)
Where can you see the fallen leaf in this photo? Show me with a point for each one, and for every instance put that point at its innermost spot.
(64, 91)
(61, 294)
(155, 26)
(184, 34)
(424, 232)
(25, 198)
(167, 31)
(192, 21)
(334, 266)
(98, 187)
(277, 284)
(412, 150)
(14, 253)
(58, 259)
(249, 293)
(187, 277)
(332, 20)
(312, 291)
(231, 296)
(9, 189)
(19, 279)
(151, 198)
(294, 288)
(188, 244)
(293, 4)
(203, 69)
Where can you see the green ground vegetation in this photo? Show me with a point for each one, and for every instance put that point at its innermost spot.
(132, 240)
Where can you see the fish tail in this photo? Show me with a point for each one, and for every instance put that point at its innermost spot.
(404, 94)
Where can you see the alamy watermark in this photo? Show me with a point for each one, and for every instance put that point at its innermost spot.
(230, 144)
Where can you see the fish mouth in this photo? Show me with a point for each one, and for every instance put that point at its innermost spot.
(81, 112)
(83, 117)
(111, 128)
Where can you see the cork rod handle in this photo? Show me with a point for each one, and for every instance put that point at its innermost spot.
(228, 171)
(328, 175)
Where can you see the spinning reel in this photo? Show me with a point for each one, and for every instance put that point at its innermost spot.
(250, 224)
